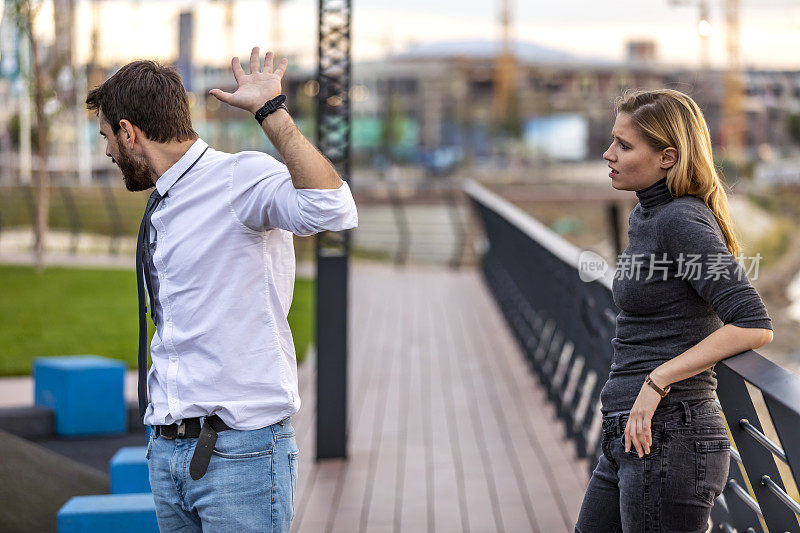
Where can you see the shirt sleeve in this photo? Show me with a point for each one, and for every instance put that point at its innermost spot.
(262, 196)
(689, 233)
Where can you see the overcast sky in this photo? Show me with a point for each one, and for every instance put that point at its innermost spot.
(770, 29)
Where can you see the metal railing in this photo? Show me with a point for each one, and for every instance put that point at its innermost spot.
(100, 210)
(104, 218)
(442, 191)
(564, 327)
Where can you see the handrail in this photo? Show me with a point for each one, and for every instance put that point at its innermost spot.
(745, 497)
(566, 251)
(533, 274)
(98, 209)
(780, 493)
(763, 439)
(774, 381)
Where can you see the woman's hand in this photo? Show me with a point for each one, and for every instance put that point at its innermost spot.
(637, 430)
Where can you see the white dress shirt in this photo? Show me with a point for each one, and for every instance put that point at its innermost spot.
(223, 276)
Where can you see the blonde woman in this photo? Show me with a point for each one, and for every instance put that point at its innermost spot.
(685, 304)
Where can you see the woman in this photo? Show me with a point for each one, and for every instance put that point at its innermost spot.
(665, 447)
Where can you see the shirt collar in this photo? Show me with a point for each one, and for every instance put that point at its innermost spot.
(168, 178)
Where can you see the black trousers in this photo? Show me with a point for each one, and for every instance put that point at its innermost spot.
(668, 490)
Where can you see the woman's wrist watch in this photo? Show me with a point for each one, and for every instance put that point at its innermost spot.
(663, 392)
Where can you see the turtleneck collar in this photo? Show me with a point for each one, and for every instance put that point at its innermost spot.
(655, 194)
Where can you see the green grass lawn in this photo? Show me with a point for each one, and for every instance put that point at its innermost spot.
(65, 311)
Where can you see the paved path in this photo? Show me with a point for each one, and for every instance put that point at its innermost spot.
(448, 430)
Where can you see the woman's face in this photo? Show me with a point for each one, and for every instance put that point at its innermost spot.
(634, 164)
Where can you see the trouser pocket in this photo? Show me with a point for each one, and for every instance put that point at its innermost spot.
(293, 464)
(712, 458)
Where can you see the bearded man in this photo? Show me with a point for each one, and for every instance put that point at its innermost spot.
(215, 256)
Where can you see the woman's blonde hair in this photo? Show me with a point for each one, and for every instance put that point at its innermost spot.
(669, 118)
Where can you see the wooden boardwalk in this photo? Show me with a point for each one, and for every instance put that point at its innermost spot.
(448, 430)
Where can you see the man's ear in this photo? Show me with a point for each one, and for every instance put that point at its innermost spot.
(127, 132)
(669, 156)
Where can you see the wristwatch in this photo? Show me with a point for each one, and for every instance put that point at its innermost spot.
(659, 390)
(270, 107)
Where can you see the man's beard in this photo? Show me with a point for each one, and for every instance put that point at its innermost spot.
(137, 173)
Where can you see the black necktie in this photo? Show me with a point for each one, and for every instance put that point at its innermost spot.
(143, 262)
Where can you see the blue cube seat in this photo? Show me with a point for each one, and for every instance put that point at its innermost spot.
(85, 392)
(121, 513)
(129, 472)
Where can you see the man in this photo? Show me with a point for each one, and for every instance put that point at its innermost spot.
(216, 256)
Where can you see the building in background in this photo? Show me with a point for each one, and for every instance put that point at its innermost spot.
(432, 105)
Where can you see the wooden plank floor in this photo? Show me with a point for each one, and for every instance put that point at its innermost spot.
(448, 430)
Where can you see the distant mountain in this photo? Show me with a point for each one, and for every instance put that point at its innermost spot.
(527, 52)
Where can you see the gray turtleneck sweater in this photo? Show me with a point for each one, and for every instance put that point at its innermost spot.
(680, 239)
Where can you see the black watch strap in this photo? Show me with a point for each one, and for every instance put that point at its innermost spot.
(270, 107)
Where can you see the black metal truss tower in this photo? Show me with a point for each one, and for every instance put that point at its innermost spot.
(332, 248)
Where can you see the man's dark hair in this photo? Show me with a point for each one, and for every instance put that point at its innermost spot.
(149, 95)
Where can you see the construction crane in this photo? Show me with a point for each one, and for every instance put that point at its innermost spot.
(733, 122)
(229, 25)
(277, 35)
(505, 99)
(93, 72)
(703, 29)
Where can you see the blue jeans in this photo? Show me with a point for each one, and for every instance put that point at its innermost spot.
(668, 490)
(249, 486)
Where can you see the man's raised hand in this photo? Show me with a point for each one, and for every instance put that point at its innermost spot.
(256, 88)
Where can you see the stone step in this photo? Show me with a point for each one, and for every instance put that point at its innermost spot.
(129, 472)
(121, 513)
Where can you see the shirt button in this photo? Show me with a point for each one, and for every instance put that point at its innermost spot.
(173, 401)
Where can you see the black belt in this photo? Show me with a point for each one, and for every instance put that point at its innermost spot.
(206, 435)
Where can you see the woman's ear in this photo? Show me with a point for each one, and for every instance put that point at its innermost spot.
(669, 156)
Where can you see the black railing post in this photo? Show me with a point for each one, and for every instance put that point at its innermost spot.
(735, 398)
(615, 227)
(74, 218)
(114, 218)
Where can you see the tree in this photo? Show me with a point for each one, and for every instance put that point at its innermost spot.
(25, 11)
